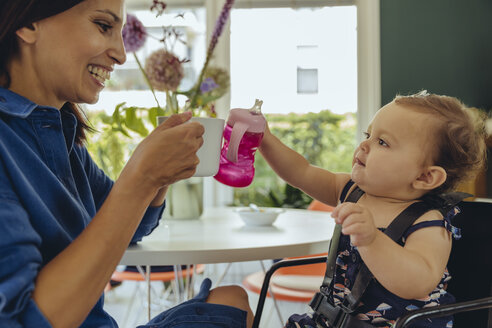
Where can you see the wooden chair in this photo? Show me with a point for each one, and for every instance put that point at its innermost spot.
(470, 265)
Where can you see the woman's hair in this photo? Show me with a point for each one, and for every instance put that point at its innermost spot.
(460, 136)
(15, 14)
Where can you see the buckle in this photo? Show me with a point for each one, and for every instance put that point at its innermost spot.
(335, 315)
(316, 301)
(346, 305)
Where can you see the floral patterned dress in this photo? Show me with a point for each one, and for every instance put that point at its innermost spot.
(379, 307)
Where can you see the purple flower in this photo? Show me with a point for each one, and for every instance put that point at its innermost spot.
(134, 34)
(208, 85)
(219, 25)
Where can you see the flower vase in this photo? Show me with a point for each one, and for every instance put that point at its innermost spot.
(184, 200)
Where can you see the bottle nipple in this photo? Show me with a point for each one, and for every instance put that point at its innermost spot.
(256, 109)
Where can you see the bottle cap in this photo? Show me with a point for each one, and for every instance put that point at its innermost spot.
(251, 117)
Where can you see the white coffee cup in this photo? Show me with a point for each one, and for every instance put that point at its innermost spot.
(209, 152)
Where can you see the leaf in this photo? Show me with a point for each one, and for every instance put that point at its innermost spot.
(134, 123)
(121, 130)
(152, 115)
(116, 112)
(106, 119)
(274, 198)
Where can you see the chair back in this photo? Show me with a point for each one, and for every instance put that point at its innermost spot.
(470, 263)
(316, 205)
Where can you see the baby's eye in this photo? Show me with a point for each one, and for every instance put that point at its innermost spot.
(366, 135)
(382, 142)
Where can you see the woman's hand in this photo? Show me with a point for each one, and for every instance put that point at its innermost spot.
(356, 221)
(168, 154)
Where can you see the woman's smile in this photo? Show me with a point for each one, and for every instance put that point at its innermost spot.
(99, 74)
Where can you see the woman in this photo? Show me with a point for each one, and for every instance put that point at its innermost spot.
(64, 225)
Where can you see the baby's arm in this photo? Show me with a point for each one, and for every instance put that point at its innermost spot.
(293, 168)
(410, 272)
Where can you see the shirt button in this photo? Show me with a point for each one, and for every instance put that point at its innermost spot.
(199, 310)
(354, 257)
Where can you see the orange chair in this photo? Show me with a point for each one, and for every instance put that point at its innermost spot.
(294, 284)
(316, 205)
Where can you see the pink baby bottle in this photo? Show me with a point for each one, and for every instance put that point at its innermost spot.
(242, 136)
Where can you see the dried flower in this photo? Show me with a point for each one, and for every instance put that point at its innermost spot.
(164, 70)
(134, 33)
(158, 7)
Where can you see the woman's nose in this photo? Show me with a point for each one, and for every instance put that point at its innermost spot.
(117, 51)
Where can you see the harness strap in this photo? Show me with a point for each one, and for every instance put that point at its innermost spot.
(345, 190)
(353, 197)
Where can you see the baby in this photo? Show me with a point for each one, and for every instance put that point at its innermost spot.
(416, 146)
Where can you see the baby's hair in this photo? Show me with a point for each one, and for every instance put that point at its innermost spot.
(460, 136)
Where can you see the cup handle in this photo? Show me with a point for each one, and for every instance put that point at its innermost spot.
(237, 134)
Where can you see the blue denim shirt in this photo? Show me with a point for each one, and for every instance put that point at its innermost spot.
(50, 189)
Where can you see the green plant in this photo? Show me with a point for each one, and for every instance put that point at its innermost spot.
(325, 139)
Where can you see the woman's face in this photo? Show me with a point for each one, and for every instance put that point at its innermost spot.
(76, 50)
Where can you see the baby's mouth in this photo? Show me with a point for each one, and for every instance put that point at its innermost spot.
(99, 73)
(358, 161)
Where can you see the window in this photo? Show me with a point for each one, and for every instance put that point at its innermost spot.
(264, 47)
(296, 60)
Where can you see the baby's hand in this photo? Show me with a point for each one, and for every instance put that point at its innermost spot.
(357, 222)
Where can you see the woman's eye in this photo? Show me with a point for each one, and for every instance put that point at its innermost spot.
(382, 143)
(104, 27)
(366, 135)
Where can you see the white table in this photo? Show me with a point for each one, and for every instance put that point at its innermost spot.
(220, 236)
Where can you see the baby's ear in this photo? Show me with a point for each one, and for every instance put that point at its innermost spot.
(431, 178)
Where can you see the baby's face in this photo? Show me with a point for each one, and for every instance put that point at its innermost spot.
(397, 148)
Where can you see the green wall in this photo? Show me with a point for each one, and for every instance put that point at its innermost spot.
(444, 46)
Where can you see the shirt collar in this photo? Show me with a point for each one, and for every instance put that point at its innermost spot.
(14, 104)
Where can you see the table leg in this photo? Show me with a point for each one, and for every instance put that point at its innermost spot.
(178, 282)
(186, 282)
(147, 280)
(192, 282)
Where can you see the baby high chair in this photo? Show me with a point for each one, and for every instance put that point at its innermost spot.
(470, 265)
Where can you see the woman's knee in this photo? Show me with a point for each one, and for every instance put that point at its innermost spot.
(229, 295)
